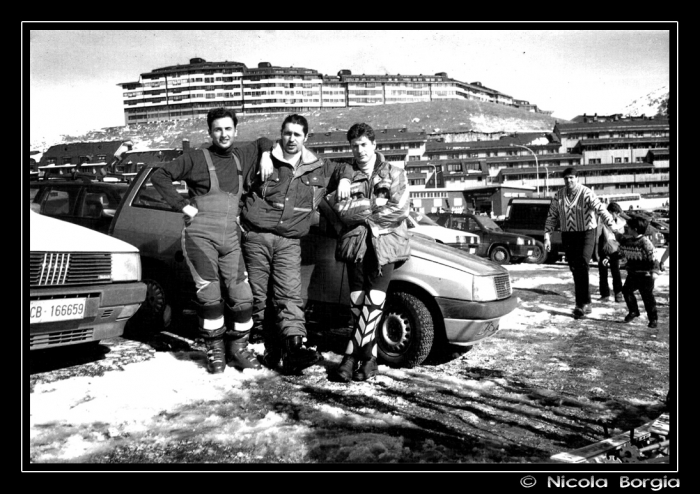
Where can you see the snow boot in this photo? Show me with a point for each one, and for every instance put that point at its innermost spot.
(216, 355)
(346, 369)
(273, 353)
(237, 353)
(367, 370)
(296, 357)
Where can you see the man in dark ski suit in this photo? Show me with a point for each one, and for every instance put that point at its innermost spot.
(277, 212)
(211, 236)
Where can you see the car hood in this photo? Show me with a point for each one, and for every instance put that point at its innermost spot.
(50, 234)
(453, 257)
(446, 235)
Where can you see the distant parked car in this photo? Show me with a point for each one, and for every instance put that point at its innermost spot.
(466, 241)
(501, 247)
(83, 202)
(83, 285)
(440, 295)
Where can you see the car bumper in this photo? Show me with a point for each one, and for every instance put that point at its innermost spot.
(521, 250)
(476, 249)
(107, 309)
(469, 322)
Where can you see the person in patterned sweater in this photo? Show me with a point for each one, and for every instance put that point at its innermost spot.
(574, 211)
(642, 269)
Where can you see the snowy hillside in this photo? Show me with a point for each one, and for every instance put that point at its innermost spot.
(649, 105)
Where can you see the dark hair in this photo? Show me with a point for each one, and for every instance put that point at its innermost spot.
(359, 130)
(296, 119)
(614, 207)
(569, 171)
(639, 224)
(216, 113)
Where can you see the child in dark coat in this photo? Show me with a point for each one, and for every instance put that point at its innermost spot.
(642, 269)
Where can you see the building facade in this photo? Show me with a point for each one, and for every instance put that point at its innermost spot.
(191, 90)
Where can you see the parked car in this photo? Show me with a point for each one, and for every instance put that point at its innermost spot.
(527, 216)
(83, 285)
(440, 295)
(84, 202)
(501, 247)
(468, 242)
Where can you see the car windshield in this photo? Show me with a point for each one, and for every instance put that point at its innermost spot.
(422, 219)
(489, 224)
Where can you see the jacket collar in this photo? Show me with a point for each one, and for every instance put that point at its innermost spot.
(379, 162)
(307, 156)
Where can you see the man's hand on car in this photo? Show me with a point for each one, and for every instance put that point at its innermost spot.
(189, 212)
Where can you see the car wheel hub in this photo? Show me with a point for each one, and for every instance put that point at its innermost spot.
(155, 299)
(395, 333)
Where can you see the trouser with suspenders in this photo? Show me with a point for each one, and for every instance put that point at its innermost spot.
(211, 244)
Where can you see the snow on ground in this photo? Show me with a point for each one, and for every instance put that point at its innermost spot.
(171, 398)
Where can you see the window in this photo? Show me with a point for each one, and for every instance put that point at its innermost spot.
(60, 201)
(618, 160)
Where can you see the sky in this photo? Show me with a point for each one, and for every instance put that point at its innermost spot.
(170, 398)
(73, 75)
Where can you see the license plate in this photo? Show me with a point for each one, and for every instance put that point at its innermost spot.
(472, 250)
(529, 252)
(56, 310)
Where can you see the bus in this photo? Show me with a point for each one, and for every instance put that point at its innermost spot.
(633, 201)
(627, 201)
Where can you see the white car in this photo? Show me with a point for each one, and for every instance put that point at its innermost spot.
(83, 285)
(466, 241)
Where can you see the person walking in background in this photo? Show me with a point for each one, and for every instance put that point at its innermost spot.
(211, 236)
(608, 247)
(278, 210)
(372, 243)
(573, 211)
(642, 270)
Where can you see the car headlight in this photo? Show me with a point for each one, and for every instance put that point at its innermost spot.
(461, 239)
(484, 289)
(126, 267)
(521, 241)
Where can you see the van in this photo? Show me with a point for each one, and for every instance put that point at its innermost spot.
(527, 216)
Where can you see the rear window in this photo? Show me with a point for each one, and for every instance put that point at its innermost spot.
(529, 213)
(149, 197)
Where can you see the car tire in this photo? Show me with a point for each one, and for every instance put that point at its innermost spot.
(406, 332)
(500, 255)
(156, 312)
(539, 254)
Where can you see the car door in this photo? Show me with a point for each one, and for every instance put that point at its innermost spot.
(323, 279)
(148, 222)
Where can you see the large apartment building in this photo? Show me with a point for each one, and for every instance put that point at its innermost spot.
(190, 90)
(614, 156)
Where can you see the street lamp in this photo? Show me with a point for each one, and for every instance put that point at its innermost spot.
(537, 167)
(435, 172)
